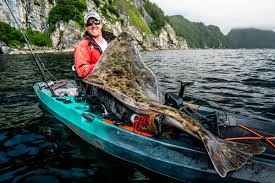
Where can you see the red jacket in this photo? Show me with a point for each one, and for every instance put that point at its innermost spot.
(87, 53)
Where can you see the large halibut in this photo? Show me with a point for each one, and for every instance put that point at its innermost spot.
(122, 73)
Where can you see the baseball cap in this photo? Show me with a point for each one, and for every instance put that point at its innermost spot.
(91, 14)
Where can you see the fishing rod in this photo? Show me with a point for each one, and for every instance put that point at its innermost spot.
(36, 58)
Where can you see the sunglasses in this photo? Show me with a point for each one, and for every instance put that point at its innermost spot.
(96, 22)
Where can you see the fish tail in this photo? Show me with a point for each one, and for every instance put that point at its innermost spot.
(226, 155)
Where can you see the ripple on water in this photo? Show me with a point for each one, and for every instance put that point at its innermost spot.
(35, 147)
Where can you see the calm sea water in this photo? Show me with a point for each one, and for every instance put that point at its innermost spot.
(35, 147)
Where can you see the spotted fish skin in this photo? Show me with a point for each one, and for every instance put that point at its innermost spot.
(122, 73)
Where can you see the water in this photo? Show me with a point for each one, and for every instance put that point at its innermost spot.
(240, 80)
(35, 147)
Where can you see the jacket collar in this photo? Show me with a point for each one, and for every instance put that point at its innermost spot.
(108, 36)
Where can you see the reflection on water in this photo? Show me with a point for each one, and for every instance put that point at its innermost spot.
(35, 147)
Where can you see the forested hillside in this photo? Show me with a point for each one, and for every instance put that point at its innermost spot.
(251, 38)
(198, 35)
(157, 15)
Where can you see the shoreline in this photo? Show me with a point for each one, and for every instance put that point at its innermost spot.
(4, 50)
(13, 51)
(51, 50)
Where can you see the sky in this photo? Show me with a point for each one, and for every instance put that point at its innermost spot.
(226, 14)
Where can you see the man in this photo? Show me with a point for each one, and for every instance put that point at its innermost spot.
(94, 42)
(87, 54)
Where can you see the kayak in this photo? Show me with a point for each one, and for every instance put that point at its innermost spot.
(181, 156)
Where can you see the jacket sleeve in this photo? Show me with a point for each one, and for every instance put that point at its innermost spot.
(81, 61)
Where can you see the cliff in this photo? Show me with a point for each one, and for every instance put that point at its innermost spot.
(65, 26)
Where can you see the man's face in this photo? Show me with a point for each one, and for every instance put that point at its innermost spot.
(93, 27)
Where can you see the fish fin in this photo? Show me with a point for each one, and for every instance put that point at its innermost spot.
(226, 155)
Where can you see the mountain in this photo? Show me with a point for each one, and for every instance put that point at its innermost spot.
(251, 38)
(197, 35)
(59, 24)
